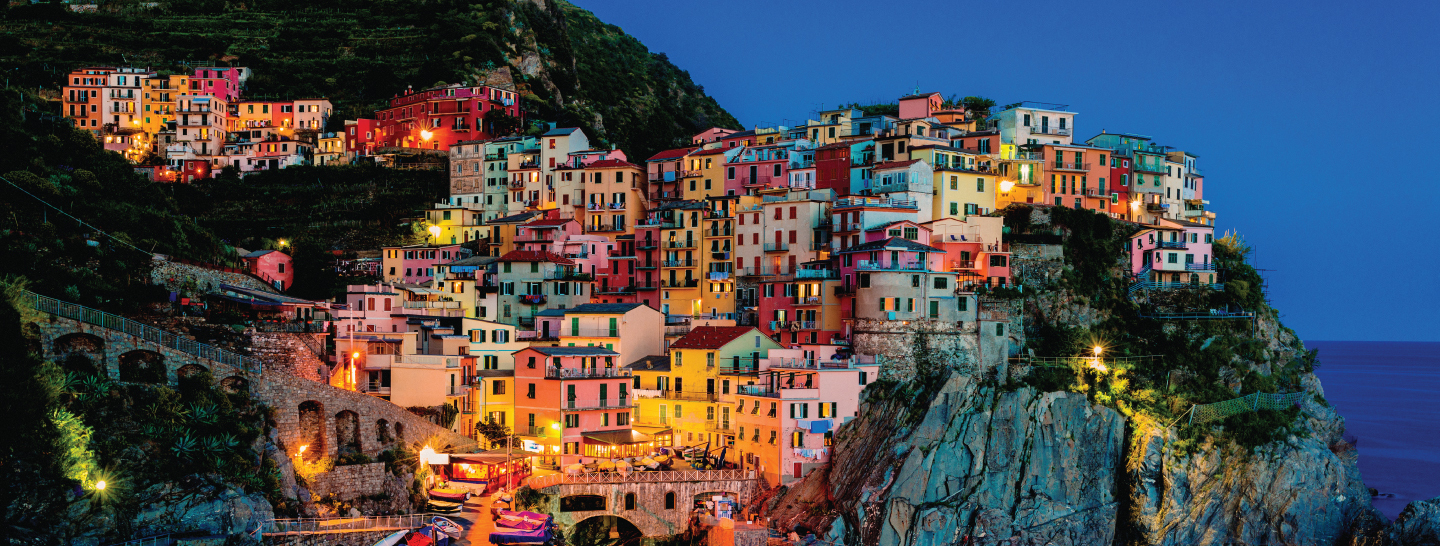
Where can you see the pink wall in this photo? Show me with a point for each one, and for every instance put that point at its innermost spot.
(273, 266)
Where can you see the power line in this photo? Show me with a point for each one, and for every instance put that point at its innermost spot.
(72, 217)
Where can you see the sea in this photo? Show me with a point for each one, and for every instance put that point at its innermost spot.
(1389, 394)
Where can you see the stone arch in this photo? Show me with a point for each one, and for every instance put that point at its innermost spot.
(235, 384)
(312, 430)
(382, 432)
(80, 352)
(399, 431)
(347, 433)
(142, 366)
(189, 370)
(584, 502)
(596, 530)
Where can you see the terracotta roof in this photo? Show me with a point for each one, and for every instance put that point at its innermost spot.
(895, 164)
(670, 154)
(710, 337)
(920, 96)
(535, 256)
(712, 151)
(651, 364)
(843, 144)
(548, 223)
(610, 163)
(893, 243)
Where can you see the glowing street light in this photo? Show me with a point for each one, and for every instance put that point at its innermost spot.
(435, 233)
(1098, 350)
(100, 485)
(1005, 186)
(426, 135)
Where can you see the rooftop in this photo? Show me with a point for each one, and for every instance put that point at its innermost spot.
(710, 337)
(893, 243)
(651, 363)
(572, 351)
(535, 256)
(603, 308)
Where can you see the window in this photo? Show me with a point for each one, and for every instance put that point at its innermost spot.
(954, 208)
(980, 184)
(942, 282)
(669, 500)
(629, 501)
(530, 390)
(934, 309)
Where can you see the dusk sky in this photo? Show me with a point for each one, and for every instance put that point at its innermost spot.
(1314, 121)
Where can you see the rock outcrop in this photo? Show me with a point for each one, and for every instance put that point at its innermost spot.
(1418, 525)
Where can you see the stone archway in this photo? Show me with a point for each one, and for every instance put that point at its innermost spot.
(235, 384)
(382, 432)
(190, 370)
(347, 433)
(312, 430)
(80, 352)
(603, 530)
(142, 366)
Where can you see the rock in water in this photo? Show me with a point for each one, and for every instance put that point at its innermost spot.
(1418, 524)
(212, 510)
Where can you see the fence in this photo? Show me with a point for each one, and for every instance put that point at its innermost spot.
(663, 476)
(146, 332)
(323, 525)
(157, 540)
(1202, 413)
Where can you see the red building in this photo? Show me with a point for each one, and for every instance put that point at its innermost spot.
(832, 166)
(360, 136)
(439, 117)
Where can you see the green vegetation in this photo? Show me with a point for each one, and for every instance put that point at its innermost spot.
(48, 161)
(68, 429)
(1191, 362)
(576, 70)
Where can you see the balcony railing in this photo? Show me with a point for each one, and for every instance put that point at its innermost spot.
(598, 403)
(868, 265)
(646, 244)
(676, 395)
(1200, 267)
(777, 247)
(956, 265)
(816, 274)
(1180, 245)
(680, 244)
(1049, 130)
(680, 283)
(679, 263)
(537, 432)
(807, 300)
(585, 373)
(727, 232)
(1070, 166)
(778, 325)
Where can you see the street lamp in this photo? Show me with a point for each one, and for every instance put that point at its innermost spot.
(435, 233)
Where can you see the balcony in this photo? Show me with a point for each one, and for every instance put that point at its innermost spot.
(682, 283)
(720, 426)
(617, 290)
(602, 228)
(1150, 167)
(875, 202)
(1049, 130)
(647, 244)
(807, 300)
(1180, 245)
(457, 390)
(585, 373)
(1082, 167)
(517, 184)
(960, 265)
(720, 256)
(757, 181)
(768, 271)
(778, 325)
(646, 286)
(716, 214)
(867, 265)
(647, 265)
(679, 244)
(727, 232)
(816, 274)
(532, 299)
(894, 188)
(777, 247)
(598, 404)
(676, 395)
(679, 263)
(719, 275)
(537, 432)
(1199, 267)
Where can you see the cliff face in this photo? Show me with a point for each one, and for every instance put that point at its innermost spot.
(1055, 468)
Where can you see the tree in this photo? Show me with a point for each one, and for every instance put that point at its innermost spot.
(501, 122)
(978, 106)
(495, 432)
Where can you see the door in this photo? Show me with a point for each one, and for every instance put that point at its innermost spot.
(797, 471)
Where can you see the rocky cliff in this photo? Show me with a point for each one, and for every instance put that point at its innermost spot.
(1021, 451)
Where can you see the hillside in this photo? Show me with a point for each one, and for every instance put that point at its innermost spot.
(572, 68)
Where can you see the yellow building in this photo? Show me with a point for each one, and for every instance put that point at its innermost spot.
(960, 193)
(717, 258)
(158, 102)
(454, 225)
(680, 260)
(707, 367)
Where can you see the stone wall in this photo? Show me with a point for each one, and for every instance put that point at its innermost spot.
(336, 538)
(175, 276)
(896, 340)
(350, 482)
(285, 352)
(381, 424)
(650, 515)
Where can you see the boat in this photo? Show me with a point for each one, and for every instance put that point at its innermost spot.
(444, 506)
(449, 494)
(393, 539)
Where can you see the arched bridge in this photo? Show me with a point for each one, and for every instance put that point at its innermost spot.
(657, 503)
(310, 413)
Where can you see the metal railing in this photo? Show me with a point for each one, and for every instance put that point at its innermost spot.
(1059, 166)
(680, 244)
(1200, 267)
(868, 265)
(322, 525)
(1171, 244)
(585, 373)
(1049, 130)
(169, 340)
(599, 403)
(663, 476)
(777, 247)
(820, 274)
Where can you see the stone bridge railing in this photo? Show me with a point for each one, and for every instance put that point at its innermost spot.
(169, 340)
(663, 476)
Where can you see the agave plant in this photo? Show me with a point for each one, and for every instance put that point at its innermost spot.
(185, 446)
(210, 444)
(205, 414)
(230, 440)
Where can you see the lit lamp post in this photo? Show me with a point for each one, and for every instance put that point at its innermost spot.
(435, 234)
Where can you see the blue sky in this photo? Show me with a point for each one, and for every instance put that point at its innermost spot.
(1315, 122)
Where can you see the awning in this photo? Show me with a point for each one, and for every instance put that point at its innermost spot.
(616, 437)
(653, 430)
(488, 457)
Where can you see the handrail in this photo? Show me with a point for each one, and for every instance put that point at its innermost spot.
(321, 525)
(662, 476)
(170, 340)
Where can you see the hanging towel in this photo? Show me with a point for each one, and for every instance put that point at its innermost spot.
(820, 426)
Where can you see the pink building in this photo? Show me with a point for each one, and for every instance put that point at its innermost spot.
(1174, 251)
(221, 82)
(416, 263)
(273, 266)
(919, 105)
(572, 405)
(713, 134)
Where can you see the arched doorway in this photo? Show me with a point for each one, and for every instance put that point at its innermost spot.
(80, 352)
(347, 433)
(190, 370)
(382, 432)
(141, 366)
(605, 531)
(312, 430)
(235, 384)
